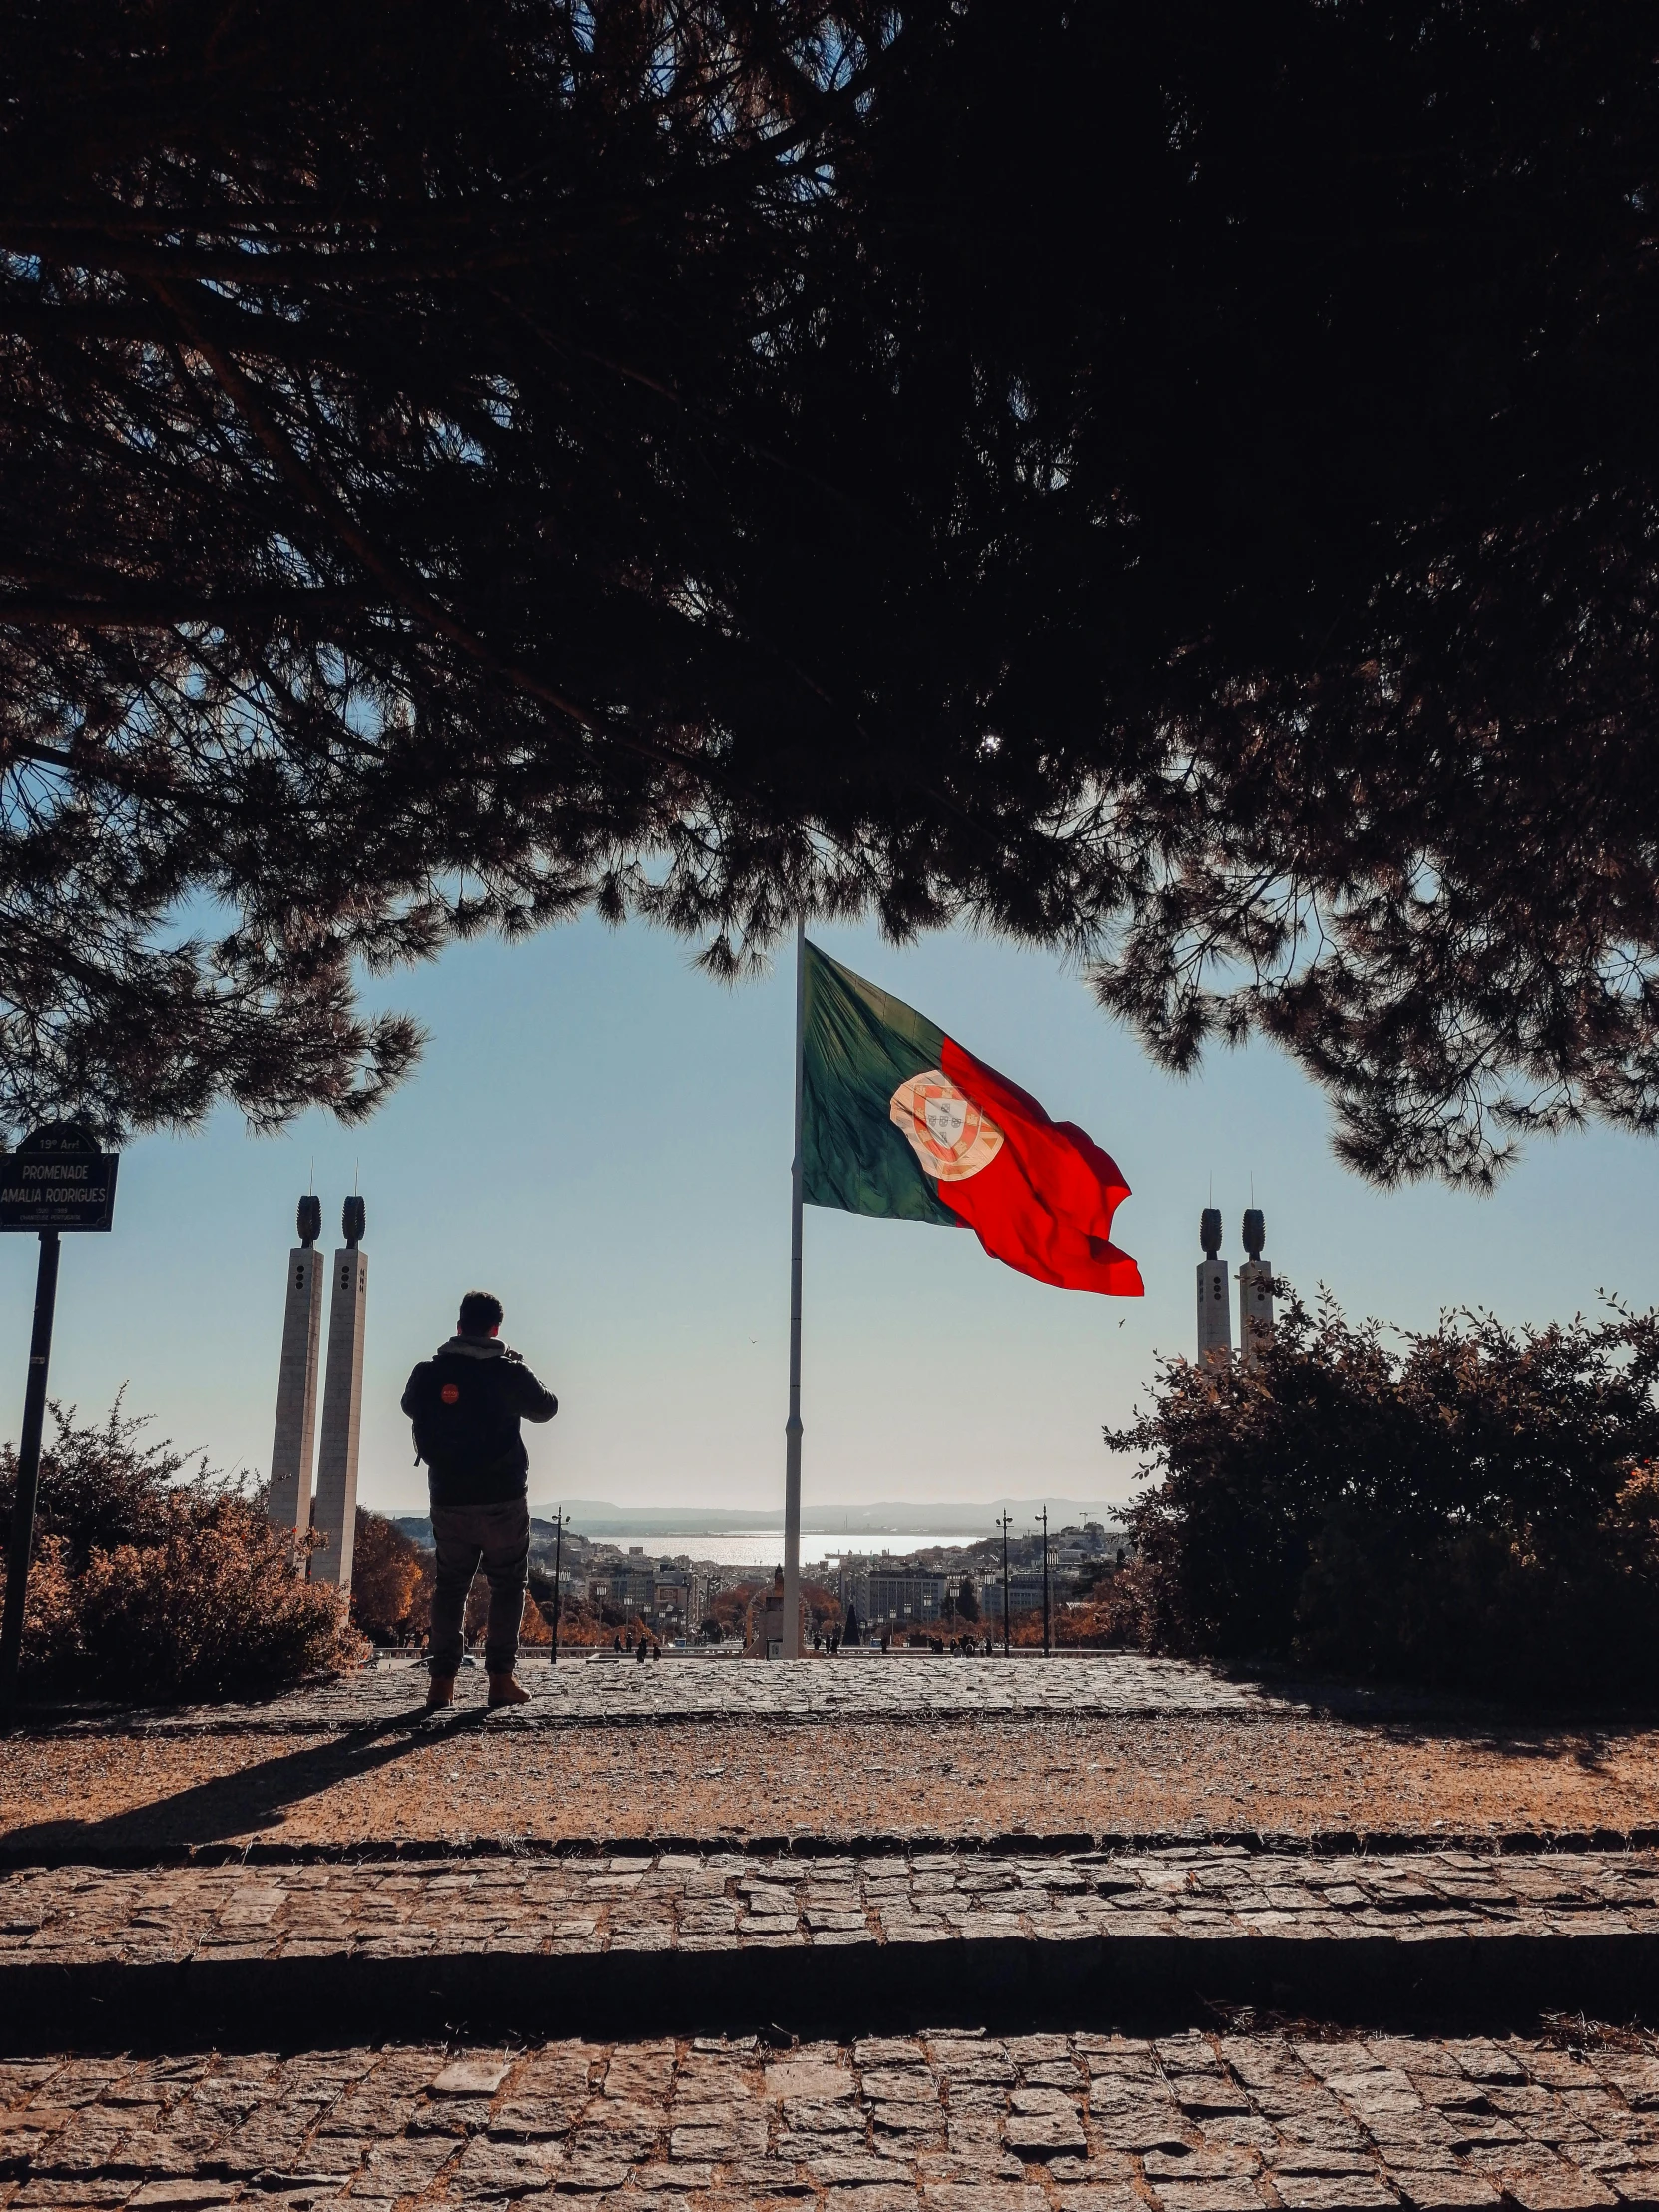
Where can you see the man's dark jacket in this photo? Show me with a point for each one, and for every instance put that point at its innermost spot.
(466, 1402)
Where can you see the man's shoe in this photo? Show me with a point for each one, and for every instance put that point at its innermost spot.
(504, 1690)
(440, 1691)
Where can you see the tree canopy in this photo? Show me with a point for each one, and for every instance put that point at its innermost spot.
(1178, 485)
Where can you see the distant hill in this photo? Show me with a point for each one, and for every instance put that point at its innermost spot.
(889, 1517)
(593, 1518)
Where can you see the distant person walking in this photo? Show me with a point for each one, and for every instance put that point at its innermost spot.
(465, 1403)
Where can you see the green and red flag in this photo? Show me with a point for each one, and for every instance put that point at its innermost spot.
(899, 1119)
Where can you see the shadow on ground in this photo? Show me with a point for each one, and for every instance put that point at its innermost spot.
(241, 1805)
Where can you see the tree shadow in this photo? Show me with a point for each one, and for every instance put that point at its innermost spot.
(1571, 1727)
(241, 1805)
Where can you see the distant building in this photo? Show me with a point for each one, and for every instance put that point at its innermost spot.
(658, 1590)
(632, 1582)
(902, 1594)
(671, 1595)
(1026, 1595)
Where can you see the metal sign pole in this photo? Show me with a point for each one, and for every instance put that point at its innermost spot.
(56, 1178)
(28, 1474)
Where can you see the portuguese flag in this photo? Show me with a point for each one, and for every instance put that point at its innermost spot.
(898, 1118)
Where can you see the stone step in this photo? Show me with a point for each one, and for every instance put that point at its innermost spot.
(80, 1850)
(697, 1942)
(1240, 2122)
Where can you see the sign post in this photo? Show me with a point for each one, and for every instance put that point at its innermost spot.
(56, 1180)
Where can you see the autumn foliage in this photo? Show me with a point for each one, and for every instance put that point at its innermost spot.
(156, 1579)
(391, 1581)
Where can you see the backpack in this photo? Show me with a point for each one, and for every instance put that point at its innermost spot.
(461, 1420)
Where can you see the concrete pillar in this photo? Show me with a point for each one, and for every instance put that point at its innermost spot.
(1215, 1304)
(336, 1516)
(1254, 1292)
(291, 1446)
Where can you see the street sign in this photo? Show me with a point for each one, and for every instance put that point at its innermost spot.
(58, 1178)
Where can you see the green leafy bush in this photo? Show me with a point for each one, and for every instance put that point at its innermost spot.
(1471, 1506)
(153, 1578)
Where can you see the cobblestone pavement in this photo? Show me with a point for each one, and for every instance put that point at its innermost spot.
(63, 1915)
(583, 1688)
(937, 2123)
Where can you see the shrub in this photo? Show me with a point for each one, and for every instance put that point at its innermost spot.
(99, 1487)
(1478, 1508)
(144, 1586)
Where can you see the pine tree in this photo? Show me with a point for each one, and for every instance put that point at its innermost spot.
(1178, 485)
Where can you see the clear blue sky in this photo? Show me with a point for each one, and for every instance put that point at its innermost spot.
(603, 1136)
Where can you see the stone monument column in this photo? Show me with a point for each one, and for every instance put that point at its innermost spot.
(1215, 1304)
(1254, 1292)
(292, 1445)
(335, 1514)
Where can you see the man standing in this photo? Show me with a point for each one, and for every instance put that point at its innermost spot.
(466, 1402)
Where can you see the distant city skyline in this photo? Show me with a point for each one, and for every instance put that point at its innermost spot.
(603, 1136)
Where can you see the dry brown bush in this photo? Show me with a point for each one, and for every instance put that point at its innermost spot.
(148, 1586)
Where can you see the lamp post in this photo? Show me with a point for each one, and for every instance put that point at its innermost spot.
(558, 1586)
(1045, 1584)
(1003, 1524)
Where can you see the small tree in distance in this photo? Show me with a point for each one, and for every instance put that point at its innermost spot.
(392, 1580)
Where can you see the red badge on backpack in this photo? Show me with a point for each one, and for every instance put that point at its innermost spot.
(450, 1394)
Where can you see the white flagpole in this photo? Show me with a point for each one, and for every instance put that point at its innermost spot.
(791, 1427)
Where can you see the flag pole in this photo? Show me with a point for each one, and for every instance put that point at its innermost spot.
(791, 1427)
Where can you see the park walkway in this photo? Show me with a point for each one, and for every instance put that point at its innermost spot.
(600, 1686)
(1110, 1748)
(213, 1995)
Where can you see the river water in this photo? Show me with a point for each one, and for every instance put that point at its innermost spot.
(765, 1547)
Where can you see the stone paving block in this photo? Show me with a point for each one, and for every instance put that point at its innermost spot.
(472, 2077)
(1043, 2123)
(1240, 2195)
(1556, 2188)
(83, 2195)
(1328, 2192)
(1440, 2189)
(986, 2196)
(183, 2195)
(487, 2169)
